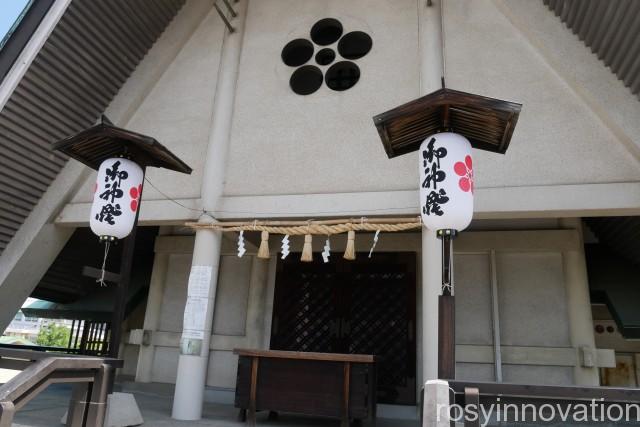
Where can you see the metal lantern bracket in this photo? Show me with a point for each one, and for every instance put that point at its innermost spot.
(447, 237)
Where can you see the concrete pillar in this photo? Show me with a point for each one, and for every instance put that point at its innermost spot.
(255, 307)
(430, 72)
(435, 412)
(192, 368)
(192, 365)
(152, 313)
(431, 290)
(579, 309)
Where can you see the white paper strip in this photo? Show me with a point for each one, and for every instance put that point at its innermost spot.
(241, 249)
(375, 241)
(326, 251)
(285, 246)
(199, 281)
(194, 313)
(198, 335)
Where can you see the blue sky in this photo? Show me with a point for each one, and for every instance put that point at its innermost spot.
(9, 11)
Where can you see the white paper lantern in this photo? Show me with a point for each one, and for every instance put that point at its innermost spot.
(116, 198)
(446, 182)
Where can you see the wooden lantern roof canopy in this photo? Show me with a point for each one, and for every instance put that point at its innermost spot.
(100, 142)
(487, 123)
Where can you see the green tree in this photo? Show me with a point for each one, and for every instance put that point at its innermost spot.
(53, 335)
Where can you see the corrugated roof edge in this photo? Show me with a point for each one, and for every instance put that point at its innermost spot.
(20, 33)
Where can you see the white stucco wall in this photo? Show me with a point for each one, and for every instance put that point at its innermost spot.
(558, 138)
(237, 320)
(529, 281)
(531, 310)
(284, 143)
(574, 152)
(178, 111)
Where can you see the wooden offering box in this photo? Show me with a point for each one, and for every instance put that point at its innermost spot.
(330, 385)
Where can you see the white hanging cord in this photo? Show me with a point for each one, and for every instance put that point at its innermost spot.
(104, 263)
(444, 69)
(267, 213)
(375, 241)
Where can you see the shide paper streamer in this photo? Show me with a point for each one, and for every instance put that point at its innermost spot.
(241, 248)
(285, 246)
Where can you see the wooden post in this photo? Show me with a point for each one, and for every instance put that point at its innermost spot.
(447, 311)
(122, 288)
(346, 386)
(446, 337)
(251, 418)
(472, 398)
(121, 293)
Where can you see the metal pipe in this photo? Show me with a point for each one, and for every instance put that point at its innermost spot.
(447, 237)
(497, 349)
(231, 11)
(224, 18)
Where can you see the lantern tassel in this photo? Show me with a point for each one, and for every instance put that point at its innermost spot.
(104, 263)
(263, 251)
(307, 250)
(350, 252)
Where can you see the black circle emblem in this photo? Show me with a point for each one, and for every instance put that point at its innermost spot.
(325, 56)
(306, 80)
(326, 31)
(297, 52)
(341, 75)
(355, 45)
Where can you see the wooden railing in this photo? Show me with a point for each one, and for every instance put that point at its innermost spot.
(92, 376)
(473, 393)
(86, 337)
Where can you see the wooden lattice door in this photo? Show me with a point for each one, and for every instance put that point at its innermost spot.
(305, 311)
(365, 306)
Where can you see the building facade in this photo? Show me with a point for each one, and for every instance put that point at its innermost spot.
(275, 130)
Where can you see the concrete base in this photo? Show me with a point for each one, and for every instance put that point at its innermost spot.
(436, 404)
(122, 411)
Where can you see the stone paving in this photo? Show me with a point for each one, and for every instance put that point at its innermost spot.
(49, 407)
